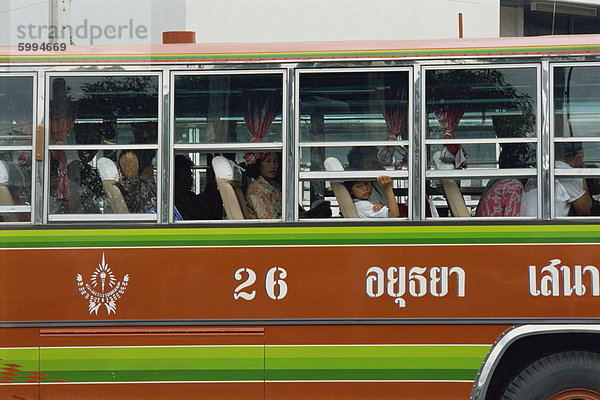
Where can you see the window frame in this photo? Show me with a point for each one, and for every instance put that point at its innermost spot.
(223, 147)
(469, 173)
(34, 108)
(48, 148)
(300, 176)
(561, 172)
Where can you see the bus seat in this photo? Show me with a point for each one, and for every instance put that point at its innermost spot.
(339, 190)
(229, 179)
(110, 177)
(452, 193)
(6, 198)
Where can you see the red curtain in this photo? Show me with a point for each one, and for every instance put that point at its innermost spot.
(61, 122)
(260, 109)
(449, 117)
(395, 114)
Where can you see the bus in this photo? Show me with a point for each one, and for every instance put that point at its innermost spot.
(137, 262)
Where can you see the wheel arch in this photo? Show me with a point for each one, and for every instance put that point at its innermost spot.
(514, 350)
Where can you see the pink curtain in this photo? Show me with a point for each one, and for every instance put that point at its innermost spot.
(260, 109)
(396, 116)
(61, 122)
(449, 117)
(21, 111)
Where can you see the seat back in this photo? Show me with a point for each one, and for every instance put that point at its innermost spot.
(452, 193)
(110, 177)
(229, 179)
(11, 175)
(339, 190)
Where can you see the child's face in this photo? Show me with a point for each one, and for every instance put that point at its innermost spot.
(362, 190)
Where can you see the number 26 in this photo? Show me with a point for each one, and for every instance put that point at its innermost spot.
(275, 286)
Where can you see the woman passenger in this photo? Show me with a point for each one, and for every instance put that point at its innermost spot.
(264, 193)
(502, 197)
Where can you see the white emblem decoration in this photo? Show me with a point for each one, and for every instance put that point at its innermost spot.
(102, 289)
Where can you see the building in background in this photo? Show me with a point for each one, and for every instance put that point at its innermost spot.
(143, 21)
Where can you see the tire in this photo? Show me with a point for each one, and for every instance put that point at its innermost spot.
(570, 375)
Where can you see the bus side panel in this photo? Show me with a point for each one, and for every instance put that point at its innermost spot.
(19, 358)
(370, 390)
(375, 361)
(152, 363)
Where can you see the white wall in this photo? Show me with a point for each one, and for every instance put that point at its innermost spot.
(149, 17)
(313, 20)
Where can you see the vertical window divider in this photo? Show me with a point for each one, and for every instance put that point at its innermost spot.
(417, 171)
(545, 164)
(165, 200)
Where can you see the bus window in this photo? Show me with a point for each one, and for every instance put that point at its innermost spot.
(576, 141)
(16, 135)
(104, 134)
(481, 137)
(225, 127)
(360, 119)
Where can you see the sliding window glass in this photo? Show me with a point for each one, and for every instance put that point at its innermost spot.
(103, 160)
(481, 138)
(16, 148)
(576, 140)
(227, 146)
(353, 127)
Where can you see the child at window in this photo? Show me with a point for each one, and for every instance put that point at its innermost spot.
(361, 191)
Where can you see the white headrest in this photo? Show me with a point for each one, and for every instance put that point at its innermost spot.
(107, 169)
(226, 169)
(3, 173)
(333, 164)
(438, 163)
(13, 175)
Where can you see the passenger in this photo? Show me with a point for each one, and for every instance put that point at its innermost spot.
(361, 193)
(138, 190)
(567, 191)
(365, 159)
(264, 193)
(502, 197)
(192, 206)
(86, 191)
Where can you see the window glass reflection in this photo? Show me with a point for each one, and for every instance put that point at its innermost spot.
(228, 108)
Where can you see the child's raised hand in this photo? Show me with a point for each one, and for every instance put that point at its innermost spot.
(384, 181)
(377, 206)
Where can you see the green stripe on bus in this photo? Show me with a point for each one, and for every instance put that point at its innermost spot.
(231, 363)
(285, 235)
(244, 363)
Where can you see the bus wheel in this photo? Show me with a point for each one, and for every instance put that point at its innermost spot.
(570, 375)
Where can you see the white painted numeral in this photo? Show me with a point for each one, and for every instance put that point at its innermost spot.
(271, 283)
(237, 293)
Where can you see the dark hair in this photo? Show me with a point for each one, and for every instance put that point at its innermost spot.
(517, 155)
(566, 151)
(348, 185)
(357, 154)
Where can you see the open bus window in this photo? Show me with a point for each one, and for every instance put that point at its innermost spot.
(361, 120)
(16, 135)
(576, 141)
(225, 127)
(481, 138)
(103, 146)
(239, 108)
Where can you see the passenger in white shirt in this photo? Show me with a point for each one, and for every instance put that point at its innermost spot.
(567, 191)
(361, 191)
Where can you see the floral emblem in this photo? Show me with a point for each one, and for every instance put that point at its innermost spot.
(103, 289)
